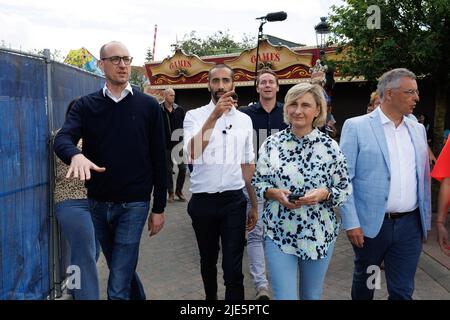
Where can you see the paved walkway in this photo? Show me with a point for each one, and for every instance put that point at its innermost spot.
(169, 266)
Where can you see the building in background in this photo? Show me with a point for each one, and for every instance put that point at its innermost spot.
(188, 75)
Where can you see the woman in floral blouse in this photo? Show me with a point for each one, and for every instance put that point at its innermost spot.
(301, 160)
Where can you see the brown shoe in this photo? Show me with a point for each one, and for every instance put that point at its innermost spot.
(180, 196)
(171, 197)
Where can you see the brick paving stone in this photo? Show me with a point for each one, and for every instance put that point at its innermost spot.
(169, 266)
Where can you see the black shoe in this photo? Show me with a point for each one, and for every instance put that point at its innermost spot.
(263, 294)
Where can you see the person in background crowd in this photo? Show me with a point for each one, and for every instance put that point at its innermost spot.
(441, 172)
(74, 218)
(330, 123)
(374, 102)
(173, 117)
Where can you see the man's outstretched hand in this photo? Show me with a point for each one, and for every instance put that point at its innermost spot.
(80, 167)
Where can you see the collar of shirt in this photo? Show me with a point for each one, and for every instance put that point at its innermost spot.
(258, 107)
(174, 106)
(107, 92)
(311, 137)
(385, 120)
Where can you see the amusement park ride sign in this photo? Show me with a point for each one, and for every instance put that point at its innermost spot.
(190, 71)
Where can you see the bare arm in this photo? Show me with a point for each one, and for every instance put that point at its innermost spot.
(443, 205)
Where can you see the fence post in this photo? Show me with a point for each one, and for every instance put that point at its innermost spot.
(54, 243)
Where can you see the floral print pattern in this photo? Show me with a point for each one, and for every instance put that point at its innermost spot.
(299, 165)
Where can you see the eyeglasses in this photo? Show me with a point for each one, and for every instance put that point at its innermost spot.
(115, 60)
(411, 92)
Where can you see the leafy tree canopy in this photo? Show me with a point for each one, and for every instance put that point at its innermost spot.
(379, 35)
(217, 43)
(412, 33)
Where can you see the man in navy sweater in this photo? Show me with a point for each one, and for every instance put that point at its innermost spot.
(123, 160)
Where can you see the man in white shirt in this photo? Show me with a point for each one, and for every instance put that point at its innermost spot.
(389, 213)
(218, 140)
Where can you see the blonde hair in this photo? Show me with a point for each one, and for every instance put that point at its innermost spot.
(299, 90)
(373, 96)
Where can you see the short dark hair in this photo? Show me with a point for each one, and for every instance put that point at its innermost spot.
(221, 66)
(264, 71)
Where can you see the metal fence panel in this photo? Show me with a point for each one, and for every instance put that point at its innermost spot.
(67, 84)
(24, 178)
(30, 92)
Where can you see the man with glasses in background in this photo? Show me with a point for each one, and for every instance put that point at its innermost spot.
(122, 161)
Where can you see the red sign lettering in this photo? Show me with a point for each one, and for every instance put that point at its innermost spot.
(177, 64)
(266, 56)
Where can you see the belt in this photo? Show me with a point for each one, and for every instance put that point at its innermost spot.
(397, 215)
(219, 194)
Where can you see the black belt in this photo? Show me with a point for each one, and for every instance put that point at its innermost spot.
(397, 215)
(219, 194)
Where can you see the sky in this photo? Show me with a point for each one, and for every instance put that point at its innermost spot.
(64, 25)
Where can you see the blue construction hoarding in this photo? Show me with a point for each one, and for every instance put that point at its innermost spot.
(31, 90)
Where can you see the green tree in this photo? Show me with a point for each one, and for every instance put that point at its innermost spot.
(55, 55)
(412, 33)
(217, 43)
(137, 77)
(247, 41)
(149, 55)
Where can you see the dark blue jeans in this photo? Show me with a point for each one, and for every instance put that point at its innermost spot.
(118, 227)
(220, 216)
(75, 220)
(399, 244)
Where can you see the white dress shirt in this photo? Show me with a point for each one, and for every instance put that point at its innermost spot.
(403, 184)
(218, 169)
(125, 92)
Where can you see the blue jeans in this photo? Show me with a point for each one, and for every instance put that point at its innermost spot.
(255, 250)
(399, 244)
(118, 227)
(283, 269)
(76, 224)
